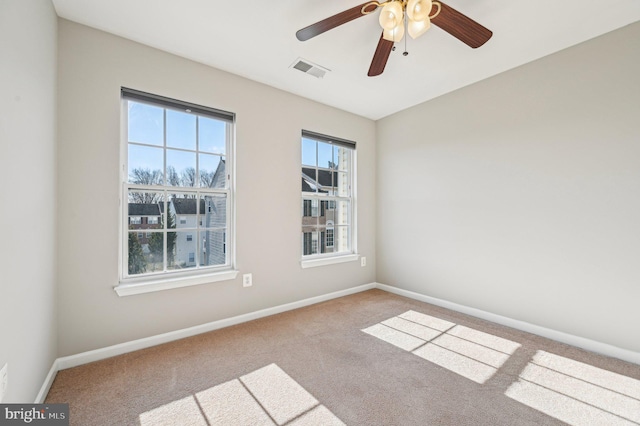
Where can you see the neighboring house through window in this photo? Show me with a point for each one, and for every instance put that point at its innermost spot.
(327, 196)
(329, 235)
(176, 184)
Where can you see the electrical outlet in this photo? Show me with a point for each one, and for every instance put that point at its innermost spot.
(363, 261)
(3, 380)
(247, 280)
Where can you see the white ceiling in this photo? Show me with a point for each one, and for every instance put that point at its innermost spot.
(256, 39)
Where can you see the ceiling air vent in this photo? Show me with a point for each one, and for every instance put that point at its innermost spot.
(310, 68)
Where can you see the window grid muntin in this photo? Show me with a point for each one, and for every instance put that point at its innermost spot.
(347, 229)
(196, 190)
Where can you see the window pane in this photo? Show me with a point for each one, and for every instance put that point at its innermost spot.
(332, 181)
(149, 201)
(341, 216)
(213, 247)
(178, 251)
(309, 220)
(327, 212)
(181, 252)
(145, 209)
(341, 188)
(329, 238)
(322, 211)
(156, 251)
(181, 168)
(341, 158)
(184, 210)
(307, 213)
(325, 180)
(309, 240)
(212, 171)
(309, 180)
(341, 241)
(146, 123)
(181, 130)
(139, 260)
(309, 152)
(213, 211)
(212, 135)
(185, 227)
(325, 157)
(146, 165)
(326, 221)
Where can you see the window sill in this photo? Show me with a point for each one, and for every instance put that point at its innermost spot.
(129, 288)
(312, 263)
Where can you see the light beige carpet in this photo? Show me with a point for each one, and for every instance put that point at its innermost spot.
(372, 358)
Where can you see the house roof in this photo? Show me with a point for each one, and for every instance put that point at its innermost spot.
(144, 209)
(324, 176)
(187, 205)
(306, 187)
(310, 185)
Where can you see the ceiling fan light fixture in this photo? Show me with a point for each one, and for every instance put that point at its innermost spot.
(417, 28)
(391, 15)
(395, 34)
(419, 10)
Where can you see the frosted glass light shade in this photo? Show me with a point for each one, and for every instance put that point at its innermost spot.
(391, 15)
(419, 10)
(417, 28)
(395, 34)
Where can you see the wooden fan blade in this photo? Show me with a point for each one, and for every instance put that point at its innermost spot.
(460, 26)
(381, 57)
(334, 21)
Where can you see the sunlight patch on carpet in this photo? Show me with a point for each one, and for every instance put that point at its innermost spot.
(470, 353)
(184, 411)
(282, 397)
(577, 393)
(318, 416)
(459, 364)
(395, 337)
(267, 396)
(427, 320)
(230, 403)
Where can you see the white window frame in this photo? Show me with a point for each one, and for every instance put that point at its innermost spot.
(150, 282)
(322, 259)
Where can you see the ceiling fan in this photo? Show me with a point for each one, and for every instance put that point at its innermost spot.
(415, 15)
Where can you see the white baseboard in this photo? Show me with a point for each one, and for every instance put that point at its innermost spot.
(48, 381)
(147, 342)
(570, 339)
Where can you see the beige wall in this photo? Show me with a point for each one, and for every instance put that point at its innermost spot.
(93, 67)
(520, 195)
(28, 330)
